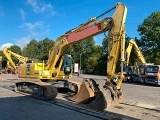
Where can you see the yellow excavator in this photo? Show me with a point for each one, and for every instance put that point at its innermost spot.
(131, 71)
(137, 51)
(0, 58)
(137, 72)
(88, 92)
(11, 67)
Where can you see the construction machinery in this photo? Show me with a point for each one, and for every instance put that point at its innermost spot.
(132, 71)
(0, 58)
(88, 92)
(137, 51)
(11, 67)
(144, 73)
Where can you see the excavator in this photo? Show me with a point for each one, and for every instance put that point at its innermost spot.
(11, 67)
(137, 72)
(137, 51)
(0, 58)
(88, 92)
(131, 71)
(143, 72)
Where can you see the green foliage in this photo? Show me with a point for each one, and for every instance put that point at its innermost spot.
(31, 50)
(44, 47)
(86, 53)
(157, 61)
(150, 36)
(38, 50)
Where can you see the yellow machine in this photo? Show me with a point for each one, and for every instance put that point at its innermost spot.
(139, 73)
(11, 67)
(137, 51)
(38, 70)
(88, 91)
(132, 71)
(0, 58)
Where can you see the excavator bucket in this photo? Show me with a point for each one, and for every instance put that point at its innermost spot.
(85, 93)
(90, 94)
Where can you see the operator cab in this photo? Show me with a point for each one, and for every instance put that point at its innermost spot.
(67, 65)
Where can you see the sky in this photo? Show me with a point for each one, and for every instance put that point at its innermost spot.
(24, 20)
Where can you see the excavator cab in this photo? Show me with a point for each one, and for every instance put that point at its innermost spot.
(67, 65)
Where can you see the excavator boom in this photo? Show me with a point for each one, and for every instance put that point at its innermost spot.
(137, 51)
(89, 90)
(10, 63)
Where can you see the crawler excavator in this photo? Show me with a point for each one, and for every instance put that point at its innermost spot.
(11, 67)
(88, 92)
(131, 71)
(137, 51)
(137, 72)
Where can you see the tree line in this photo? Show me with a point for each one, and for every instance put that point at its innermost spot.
(92, 57)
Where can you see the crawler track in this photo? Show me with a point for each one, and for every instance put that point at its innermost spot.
(38, 90)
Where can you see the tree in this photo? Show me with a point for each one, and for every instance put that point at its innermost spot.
(31, 50)
(38, 49)
(44, 47)
(150, 37)
(86, 53)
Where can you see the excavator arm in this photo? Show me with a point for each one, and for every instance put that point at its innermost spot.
(10, 61)
(19, 57)
(0, 58)
(137, 51)
(8, 54)
(130, 71)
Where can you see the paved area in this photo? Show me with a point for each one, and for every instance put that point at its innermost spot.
(147, 96)
(17, 106)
